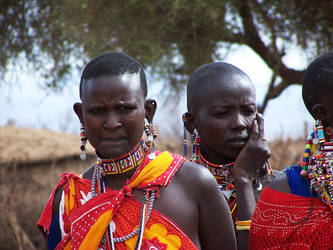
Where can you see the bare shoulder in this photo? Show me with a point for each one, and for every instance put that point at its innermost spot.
(280, 183)
(215, 225)
(197, 181)
(195, 175)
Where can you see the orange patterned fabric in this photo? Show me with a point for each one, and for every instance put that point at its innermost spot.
(280, 222)
(84, 219)
(160, 232)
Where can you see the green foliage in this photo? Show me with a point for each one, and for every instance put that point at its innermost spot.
(308, 22)
(171, 37)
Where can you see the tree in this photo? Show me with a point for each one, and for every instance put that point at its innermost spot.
(171, 37)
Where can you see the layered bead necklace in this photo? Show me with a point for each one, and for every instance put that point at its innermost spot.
(317, 164)
(222, 173)
(120, 165)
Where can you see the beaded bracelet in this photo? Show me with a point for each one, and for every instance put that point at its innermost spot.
(243, 225)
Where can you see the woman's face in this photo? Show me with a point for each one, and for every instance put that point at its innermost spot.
(225, 113)
(113, 113)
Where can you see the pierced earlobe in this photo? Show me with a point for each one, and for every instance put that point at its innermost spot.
(150, 108)
(319, 111)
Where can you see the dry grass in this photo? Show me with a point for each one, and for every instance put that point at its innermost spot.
(23, 194)
(286, 152)
(24, 188)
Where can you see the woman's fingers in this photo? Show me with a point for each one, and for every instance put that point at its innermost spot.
(261, 127)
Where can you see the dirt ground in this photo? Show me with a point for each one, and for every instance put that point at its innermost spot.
(31, 162)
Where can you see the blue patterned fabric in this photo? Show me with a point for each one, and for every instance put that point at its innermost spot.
(298, 185)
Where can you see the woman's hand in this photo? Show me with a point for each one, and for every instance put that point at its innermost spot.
(253, 155)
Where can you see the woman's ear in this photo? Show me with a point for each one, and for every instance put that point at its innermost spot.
(78, 111)
(188, 119)
(319, 112)
(150, 108)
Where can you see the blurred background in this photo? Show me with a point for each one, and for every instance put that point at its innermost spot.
(45, 45)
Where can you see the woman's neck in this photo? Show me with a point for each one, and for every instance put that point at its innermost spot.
(213, 156)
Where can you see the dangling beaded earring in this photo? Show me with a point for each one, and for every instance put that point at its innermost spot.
(306, 155)
(316, 137)
(84, 139)
(195, 143)
(151, 132)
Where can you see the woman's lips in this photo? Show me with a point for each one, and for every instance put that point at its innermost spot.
(238, 141)
(113, 140)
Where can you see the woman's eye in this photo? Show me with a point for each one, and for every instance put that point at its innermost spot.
(249, 111)
(125, 108)
(98, 110)
(220, 113)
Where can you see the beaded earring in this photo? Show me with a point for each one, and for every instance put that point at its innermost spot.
(185, 137)
(195, 144)
(150, 131)
(316, 137)
(319, 132)
(84, 139)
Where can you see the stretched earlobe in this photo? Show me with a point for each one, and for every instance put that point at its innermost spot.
(150, 109)
(188, 120)
(78, 111)
(319, 112)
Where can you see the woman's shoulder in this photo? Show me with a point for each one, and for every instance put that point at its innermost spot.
(290, 181)
(192, 171)
(280, 183)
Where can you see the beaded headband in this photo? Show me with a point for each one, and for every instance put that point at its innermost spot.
(125, 162)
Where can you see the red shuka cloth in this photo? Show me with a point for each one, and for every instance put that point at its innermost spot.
(278, 222)
(80, 216)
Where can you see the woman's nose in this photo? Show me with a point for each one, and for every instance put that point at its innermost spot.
(112, 121)
(238, 122)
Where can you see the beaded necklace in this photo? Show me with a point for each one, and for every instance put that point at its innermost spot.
(123, 163)
(222, 173)
(317, 165)
(98, 186)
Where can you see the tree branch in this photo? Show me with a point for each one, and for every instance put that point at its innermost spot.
(272, 59)
(262, 108)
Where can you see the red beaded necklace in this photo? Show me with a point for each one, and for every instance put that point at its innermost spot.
(222, 173)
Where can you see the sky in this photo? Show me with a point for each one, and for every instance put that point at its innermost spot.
(25, 103)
